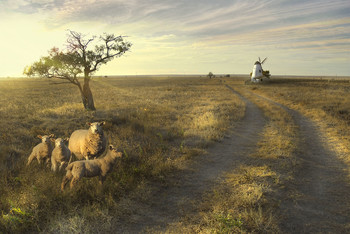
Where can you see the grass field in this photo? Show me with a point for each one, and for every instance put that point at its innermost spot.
(158, 123)
(162, 125)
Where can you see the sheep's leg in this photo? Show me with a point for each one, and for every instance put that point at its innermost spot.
(48, 162)
(30, 159)
(73, 182)
(64, 165)
(66, 179)
(102, 179)
(70, 158)
(64, 182)
(60, 168)
(54, 165)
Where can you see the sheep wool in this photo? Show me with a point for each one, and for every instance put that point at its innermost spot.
(91, 168)
(60, 154)
(42, 151)
(88, 144)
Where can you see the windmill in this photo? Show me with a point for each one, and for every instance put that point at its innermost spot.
(258, 74)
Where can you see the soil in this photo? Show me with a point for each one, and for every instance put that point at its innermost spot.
(316, 201)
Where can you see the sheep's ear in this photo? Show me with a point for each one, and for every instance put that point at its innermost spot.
(102, 123)
(66, 139)
(52, 135)
(88, 123)
(111, 147)
(39, 136)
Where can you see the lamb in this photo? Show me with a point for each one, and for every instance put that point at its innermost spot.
(60, 154)
(42, 151)
(91, 168)
(89, 143)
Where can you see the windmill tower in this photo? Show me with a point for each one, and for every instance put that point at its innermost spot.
(258, 74)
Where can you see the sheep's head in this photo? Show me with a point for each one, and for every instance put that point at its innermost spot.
(46, 138)
(96, 127)
(114, 152)
(59, 142)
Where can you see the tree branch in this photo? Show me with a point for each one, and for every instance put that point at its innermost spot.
(106, 58)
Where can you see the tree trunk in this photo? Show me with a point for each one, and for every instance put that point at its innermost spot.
(86, 95)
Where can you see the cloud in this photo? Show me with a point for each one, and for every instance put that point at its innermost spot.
(194, 18)
(195, 33)
(293, 36)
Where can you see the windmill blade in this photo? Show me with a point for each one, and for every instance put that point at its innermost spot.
(259, 60)
(264, 60)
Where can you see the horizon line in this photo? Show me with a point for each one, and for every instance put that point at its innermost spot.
(192, 75)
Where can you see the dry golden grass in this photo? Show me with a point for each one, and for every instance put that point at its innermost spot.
(158, 123)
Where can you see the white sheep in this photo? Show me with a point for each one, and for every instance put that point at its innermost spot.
(91, 168)
(42, 151)
(60, 154)
(89, 143)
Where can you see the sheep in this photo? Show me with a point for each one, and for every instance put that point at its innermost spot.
(60, 154)
(89, 143)
(91, 168)
(42, 151)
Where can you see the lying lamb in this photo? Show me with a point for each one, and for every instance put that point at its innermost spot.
(60, 154)
(42, 151)
(91, 168)
(89, 143)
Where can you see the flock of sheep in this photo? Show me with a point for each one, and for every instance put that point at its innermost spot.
(86, 145)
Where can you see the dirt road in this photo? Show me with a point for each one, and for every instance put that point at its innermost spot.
(321, 184)
(168, 204)
(316, 201)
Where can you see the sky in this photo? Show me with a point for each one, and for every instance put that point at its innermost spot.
(299, 37)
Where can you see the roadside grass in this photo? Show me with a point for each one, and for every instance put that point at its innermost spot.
(247, 200)
(158, 123)
(326, 103)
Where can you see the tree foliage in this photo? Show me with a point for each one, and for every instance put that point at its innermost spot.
(58, 65)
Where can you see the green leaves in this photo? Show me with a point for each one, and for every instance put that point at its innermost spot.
(57, 65)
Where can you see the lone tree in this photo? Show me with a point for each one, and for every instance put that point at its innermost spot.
(79, 58)
(210, 75)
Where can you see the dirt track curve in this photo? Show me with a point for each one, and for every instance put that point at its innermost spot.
(315, 202)
(168, 205)
(320, 202)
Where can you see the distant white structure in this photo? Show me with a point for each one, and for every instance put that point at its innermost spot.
(258, 74)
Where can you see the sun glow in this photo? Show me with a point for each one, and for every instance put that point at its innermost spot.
(177, 38)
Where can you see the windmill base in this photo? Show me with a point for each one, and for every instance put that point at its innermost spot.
(258, 80)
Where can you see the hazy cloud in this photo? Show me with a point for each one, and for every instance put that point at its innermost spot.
(198, 30)
(192, 18)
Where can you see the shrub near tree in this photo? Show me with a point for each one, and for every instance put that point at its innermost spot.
(82, 56)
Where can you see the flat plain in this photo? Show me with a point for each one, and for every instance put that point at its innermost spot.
(200, 155)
